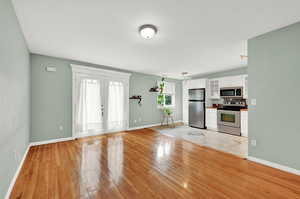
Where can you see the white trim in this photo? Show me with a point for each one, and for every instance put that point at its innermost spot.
(51, 141)
(142, 127)
(274, 165)
(102, 133)
(13, 181)
(98, 71)
(148, 126)
(79, 70)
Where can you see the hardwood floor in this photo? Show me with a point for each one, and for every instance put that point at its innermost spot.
(145, 164)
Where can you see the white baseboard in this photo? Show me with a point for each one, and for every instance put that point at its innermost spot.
(148, 126)
(95, 134)
(274, 165)
(13, 181)
(51, 141)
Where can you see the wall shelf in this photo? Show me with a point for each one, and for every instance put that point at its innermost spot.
(137, 97)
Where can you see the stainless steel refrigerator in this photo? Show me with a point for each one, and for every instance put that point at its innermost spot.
(197, 108)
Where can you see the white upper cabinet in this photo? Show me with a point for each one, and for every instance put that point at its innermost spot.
(231, 81)
(196, 83)
(214, 88)
(214, 85)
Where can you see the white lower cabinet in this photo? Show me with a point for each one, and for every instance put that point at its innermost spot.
(244, 123)
(211, 118)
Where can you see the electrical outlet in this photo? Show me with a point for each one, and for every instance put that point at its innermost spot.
(253, 142)
(253, 102)
(61, 128)
(134, 121)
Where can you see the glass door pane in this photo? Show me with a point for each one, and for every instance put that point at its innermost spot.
(116, 106)
(225, 117)
(89, 108)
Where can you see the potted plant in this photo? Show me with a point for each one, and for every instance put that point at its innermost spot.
(168, 111)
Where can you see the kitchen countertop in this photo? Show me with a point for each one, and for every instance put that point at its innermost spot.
(244, 109)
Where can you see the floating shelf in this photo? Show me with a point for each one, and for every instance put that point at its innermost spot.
(154, 89)
(137, 97)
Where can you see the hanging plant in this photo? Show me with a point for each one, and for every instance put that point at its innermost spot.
(162, 85)
(161, 96)
(161, 99)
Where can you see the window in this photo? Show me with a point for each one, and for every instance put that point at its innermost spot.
(167, 98)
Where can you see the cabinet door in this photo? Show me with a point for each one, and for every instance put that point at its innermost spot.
(231, 81)
(237, 81)
(214, 89)
(196, 83)
(244, 123)
(211, 118)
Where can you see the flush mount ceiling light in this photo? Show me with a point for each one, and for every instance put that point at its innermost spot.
(148, 31)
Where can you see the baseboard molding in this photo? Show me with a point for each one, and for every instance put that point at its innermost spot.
(51, 141)
(148, 126)
(13, 181)
(96, 134)
(274, 165)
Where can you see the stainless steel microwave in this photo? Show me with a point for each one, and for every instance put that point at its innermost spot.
(234, 92)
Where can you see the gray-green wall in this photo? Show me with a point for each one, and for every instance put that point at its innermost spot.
(15, 95)
(232, 72)
(274, 79)
(52, 98)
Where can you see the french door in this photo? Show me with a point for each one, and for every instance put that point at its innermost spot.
(100, 103)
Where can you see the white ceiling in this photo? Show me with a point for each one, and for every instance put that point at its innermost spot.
(197, 36)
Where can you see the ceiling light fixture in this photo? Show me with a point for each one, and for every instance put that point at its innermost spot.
(148, 31)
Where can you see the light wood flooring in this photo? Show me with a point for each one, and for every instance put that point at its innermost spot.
(145, 164)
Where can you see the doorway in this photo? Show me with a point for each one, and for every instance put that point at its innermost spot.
(100, 101)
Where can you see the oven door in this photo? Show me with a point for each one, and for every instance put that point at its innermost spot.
(229, 118)
(229, 92)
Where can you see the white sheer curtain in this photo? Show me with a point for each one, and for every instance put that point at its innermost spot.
(116, 102)
(89, 118)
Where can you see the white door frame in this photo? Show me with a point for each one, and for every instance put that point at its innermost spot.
(80, 70)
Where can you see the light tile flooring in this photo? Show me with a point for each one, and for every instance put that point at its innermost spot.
(224, 142)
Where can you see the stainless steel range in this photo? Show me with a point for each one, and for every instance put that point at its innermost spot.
(229, 116)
